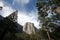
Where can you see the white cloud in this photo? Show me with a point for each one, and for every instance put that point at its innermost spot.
(21, 1)
(7, 9)
(23, 16)
(1, 3)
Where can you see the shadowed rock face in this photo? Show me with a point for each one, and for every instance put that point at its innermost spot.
(1, 18)
(19, 28)
(13, 16)
(29, 28)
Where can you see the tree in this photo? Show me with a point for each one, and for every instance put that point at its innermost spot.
(43, 15)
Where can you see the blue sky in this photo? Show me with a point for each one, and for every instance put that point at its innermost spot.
(27, 11)
(29, 6)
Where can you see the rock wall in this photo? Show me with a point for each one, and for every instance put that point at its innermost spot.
(29, 28)
(13, 16)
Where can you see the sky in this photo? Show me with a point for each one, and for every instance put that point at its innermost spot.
(27, 11)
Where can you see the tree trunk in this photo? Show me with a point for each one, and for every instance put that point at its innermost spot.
(48, 34)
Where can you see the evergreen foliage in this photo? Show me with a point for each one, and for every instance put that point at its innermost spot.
(47, 22)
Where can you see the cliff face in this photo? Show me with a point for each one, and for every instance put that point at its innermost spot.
(1, 18)
(13, 16)
(29, 28)
(19, 27)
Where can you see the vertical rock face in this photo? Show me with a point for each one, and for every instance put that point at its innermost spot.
(19, 28)
(1, 18)
(29, 28)
(13, 16)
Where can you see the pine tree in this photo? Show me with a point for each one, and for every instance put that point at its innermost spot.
(45, 21)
